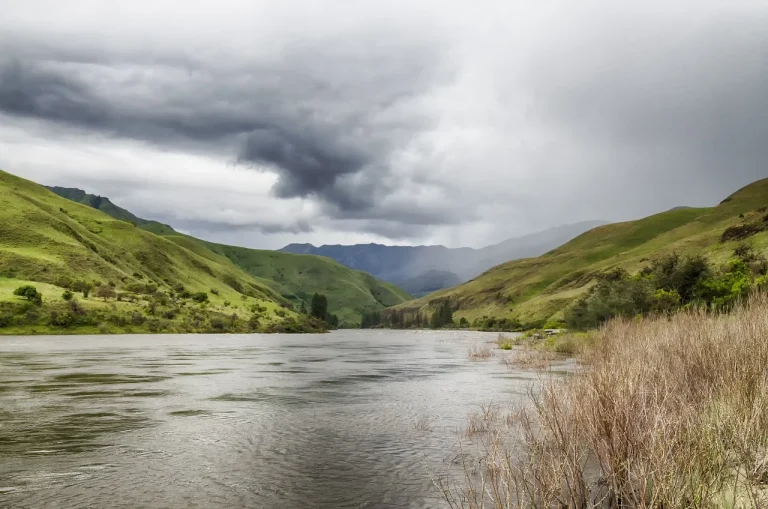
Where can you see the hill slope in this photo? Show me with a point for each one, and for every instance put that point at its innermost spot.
(536, 289)
(295, 278)
(56, 244)
(103, 204)
(423, 269)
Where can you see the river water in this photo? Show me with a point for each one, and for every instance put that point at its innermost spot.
(352, 419)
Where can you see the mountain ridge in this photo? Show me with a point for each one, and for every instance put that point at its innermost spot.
(410, 266)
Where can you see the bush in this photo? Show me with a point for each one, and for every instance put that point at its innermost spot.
(67, 295)
(61, 319)
(200, 297)
(30, 293)
(741, 231)
(105, 292)
(137, 318)
(82, 286)
(218, 323)
(214, 291)
(665, 301)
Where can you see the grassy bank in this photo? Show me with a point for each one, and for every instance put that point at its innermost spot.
(665, 413)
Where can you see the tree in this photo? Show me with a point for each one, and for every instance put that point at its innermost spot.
(30, 293)
(82, 286)
(105, 292)
(333, 321)
(67, 295)
(303, 310)
(319, 307)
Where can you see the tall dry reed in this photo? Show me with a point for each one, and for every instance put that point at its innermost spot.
(666, 413)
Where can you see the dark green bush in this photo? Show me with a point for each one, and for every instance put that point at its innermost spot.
(30, 293)
(200, 297)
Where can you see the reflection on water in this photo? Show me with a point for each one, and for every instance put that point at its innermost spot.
(333, 420)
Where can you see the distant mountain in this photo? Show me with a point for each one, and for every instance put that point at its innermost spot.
(429, 282)
(424, 269)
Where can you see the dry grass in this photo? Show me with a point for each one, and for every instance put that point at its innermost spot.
(479, 351)
(667, 413)
(530, 359)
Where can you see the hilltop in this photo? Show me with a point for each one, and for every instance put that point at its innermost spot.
(535, 290)
(51, 242)
(104, 204)
(424, 269)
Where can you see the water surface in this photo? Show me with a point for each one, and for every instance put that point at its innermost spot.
(357, 419)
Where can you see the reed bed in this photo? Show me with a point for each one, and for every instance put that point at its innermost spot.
(667, 412)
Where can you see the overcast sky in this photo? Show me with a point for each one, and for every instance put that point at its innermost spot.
(460, 123)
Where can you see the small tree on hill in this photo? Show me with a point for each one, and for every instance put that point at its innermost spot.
(30, 293)
(67, 295)
(82, 286)
(105, 292)
(319, 307)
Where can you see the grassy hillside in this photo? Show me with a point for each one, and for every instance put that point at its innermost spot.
(534, 290)
(105, 205)
(294, 278)
(52, 243)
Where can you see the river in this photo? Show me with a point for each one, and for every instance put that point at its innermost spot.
(351, 419)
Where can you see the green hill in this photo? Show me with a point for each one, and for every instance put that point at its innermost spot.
(534, 290)
(103, 204)
(294, 278)
(146, 282)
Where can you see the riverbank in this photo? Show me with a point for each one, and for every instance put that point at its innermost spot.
(663, 412)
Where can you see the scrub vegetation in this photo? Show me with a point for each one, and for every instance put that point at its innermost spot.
(670, 411)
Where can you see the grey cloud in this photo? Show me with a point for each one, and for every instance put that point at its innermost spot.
(680, 114)
(489, 122)
(311, 118)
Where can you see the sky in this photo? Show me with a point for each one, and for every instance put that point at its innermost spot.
(260, 123)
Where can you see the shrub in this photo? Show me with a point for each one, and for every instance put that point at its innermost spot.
(82, 286)
(218, 323)
(30, 293)
(200, 297)
(67, 295)
(61, 319)
(665, 301)
(226, 303)
(105, 292)
(63, 282)
(253, 322)
(156, 325)
(137, 318)
(214, 291)
(741, 231)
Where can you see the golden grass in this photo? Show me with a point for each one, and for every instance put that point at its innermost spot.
(480, 351)
(666, 413)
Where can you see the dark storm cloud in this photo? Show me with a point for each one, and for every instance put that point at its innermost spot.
(308, 118)
(441, 122)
